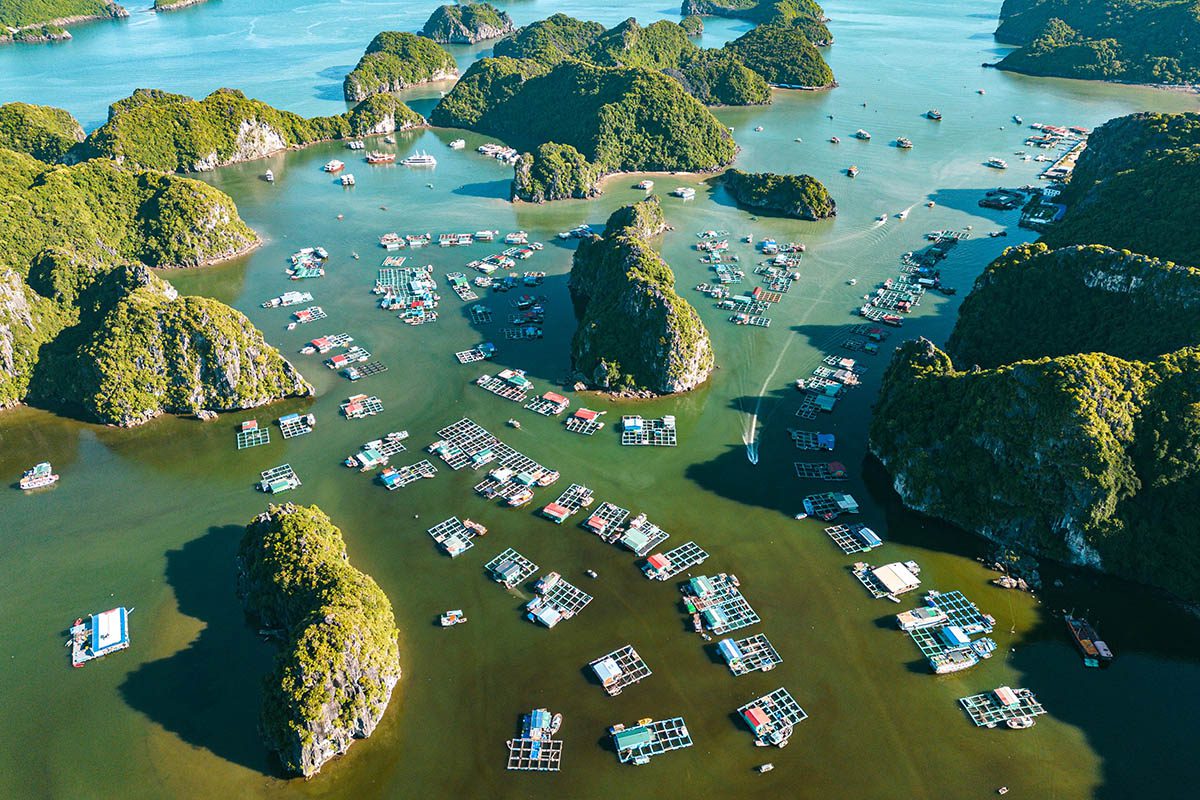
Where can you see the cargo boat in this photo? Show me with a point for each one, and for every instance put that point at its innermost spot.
(1095, 652)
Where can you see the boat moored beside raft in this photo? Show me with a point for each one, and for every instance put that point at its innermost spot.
(99, 635)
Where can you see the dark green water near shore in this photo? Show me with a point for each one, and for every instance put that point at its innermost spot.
(151, 517)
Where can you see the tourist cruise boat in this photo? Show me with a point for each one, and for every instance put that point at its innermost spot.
(334, 166)
(420, 159)
(458, 144)
(378, 157)
(38, 477)
(347, 179)
(933, 114)
(1095, 652)
(861, 134)
(996, 163)
(904, 143)
(645, 185)
(686, 192)
(98, 636)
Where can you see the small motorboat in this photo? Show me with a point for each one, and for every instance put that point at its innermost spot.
(1020, 723)
(514, 423)
(766, 767)
(852, 282)
(834, 140)
(269, 176)
(454, 617)
(591, 573)
(881, 218)
(556, 723)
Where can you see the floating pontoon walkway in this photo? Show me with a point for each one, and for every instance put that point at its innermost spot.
(620, 669)
(830, 505)
(773, 717)
(310, 314)
(720, 604)
(664, 566)
(279, 479)
(293, 425)
(987, 711)
(470, 356)
(637, 745)
(606, 521)
(853, 538)
(453, 536)
(548, 405)
(253, 437)
(399, 477)
(510, 568)
(392, 445)
(652, 433)
(752, 654)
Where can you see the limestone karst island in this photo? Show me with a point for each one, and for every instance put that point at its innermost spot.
(730, 398)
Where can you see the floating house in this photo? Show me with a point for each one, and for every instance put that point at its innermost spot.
(896, 578)
(773, 717)
(664, 566)
(620, 669)
(754, 653)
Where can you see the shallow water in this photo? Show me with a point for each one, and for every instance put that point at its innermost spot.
(151, 517)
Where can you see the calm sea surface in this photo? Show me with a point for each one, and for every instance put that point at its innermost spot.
(151, 517)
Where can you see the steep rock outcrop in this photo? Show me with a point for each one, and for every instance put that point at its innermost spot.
(174, 133)
(467, 23)
(339, 660)
(153, 352)
(554, 172)
(799, 196)
(395, 61)
(635, 334)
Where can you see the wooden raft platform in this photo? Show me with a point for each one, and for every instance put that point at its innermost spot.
(832, 471)
(809, 440)
(782, 712)
(502, 388)
(724, 608)
(253, 438)
(654, 433)
(665, 735)
(961, 611)
(480, 314)
(630, 668)
(757, 654)
(642, 536)
(986, 711)
(453, 536)
(358, 372)
(535, 755)
(583, 427)
(295, 426)
(399, 477)
(575, 497)
(677, 561)
(510, 568)
(606, 521)
(849, 540)
(462, 442)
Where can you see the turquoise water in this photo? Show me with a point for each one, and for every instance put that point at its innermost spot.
(151, 517)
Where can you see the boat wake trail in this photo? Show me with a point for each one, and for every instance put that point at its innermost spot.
(750, 431)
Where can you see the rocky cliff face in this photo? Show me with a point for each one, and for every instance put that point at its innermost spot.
(635, 333)
(395, 61)
(86, 328)
(467, 23)
(339, 660)
(554, 172)
(154, 352)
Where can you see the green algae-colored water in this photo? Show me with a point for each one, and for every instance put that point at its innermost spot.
(151, 517)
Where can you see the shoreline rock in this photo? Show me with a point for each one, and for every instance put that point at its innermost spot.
(467, 23)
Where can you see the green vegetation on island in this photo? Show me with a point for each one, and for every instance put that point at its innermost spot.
(43, 20)
(1075, 433)
(693, 25)
(620, 119)
(784, 55)
(799, 196)
(804, 14)
(554, 172)
(1147, 41)
(339, 660)
(618, 277)
(172, 132)
(43, 132)
(395, 61)
(86, 328)
(550, 40)
(467, 23)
